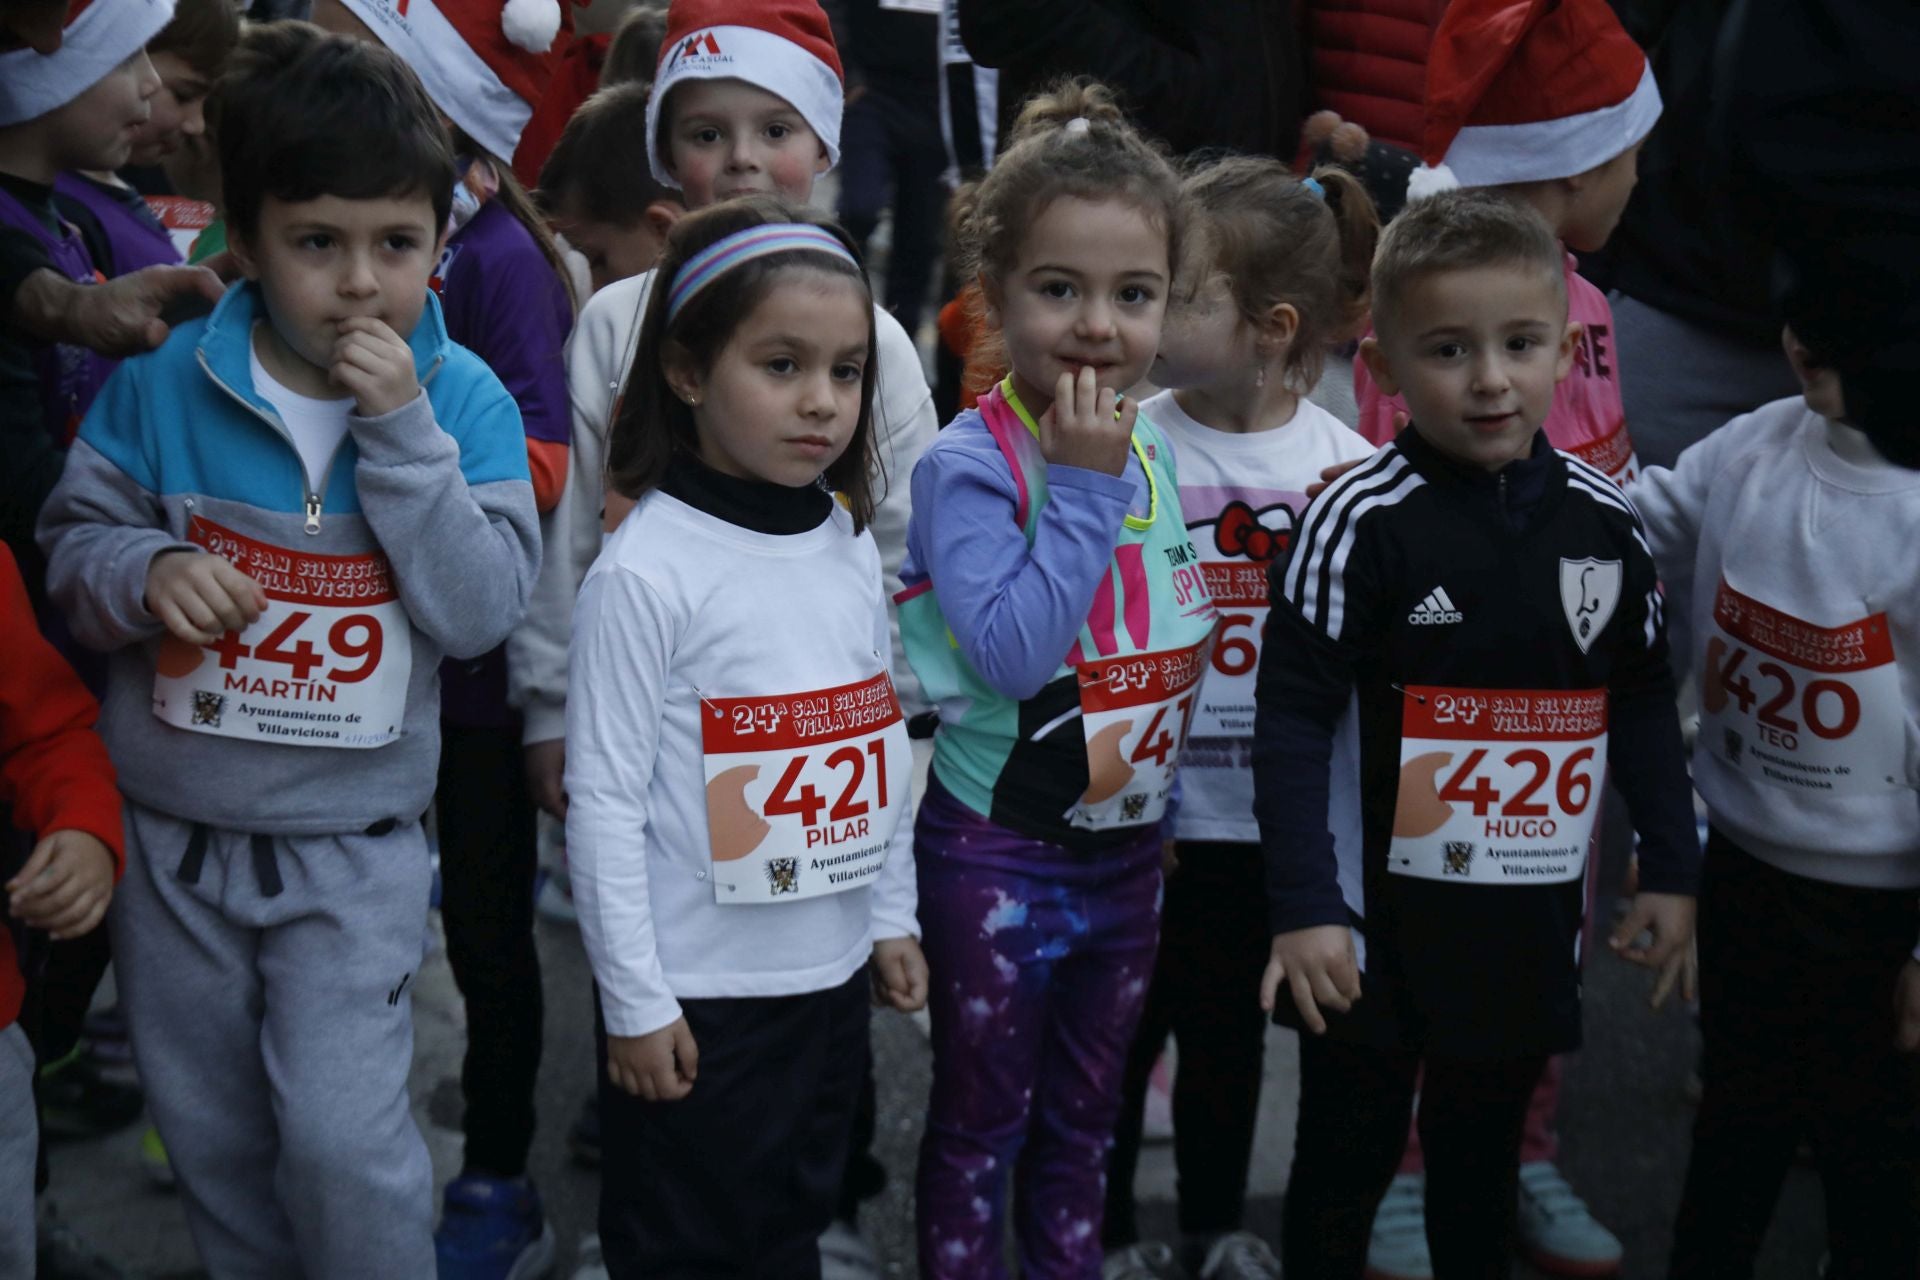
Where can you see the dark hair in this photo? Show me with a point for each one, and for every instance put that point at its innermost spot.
(201, 34)
(634, 53)
(298, 114)
(1459, 230)
(651, 424)
(598, 170)
(1107, 159)
(1276, 241)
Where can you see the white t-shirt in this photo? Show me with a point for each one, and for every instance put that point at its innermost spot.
(317, 426)
(1241, 494)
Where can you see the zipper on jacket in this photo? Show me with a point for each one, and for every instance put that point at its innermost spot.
(311, 502)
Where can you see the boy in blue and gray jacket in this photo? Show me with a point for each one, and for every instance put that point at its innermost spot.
(277, 525)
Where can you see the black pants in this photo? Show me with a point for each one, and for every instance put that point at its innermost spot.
(1796, 1017)
(487, 860)
(739, 1178)
(1206, 993)
(1354, 1105)
(891, 153)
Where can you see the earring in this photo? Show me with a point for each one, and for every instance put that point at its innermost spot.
(693, 400)
(1260, 377)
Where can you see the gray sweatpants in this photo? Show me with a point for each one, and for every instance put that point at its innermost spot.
(19, 1136)
(267, 989)
(1680, 381)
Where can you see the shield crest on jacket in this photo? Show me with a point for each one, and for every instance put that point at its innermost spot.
(1589, 590)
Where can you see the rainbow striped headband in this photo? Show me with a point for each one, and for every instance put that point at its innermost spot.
(728, 252)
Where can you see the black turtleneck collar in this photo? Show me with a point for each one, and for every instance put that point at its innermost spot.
(752, 504)
(1515, 491)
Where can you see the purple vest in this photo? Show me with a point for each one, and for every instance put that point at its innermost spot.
(69, 376)
(135, 238)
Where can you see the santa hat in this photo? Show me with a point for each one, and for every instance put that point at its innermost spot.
(1528, 91)
(782, 46)
(482, 63)
(99, 36)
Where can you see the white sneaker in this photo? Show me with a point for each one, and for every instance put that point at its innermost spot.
(1148, 1260)
(588, 1264)
(846, 1254)
(1240, 1255)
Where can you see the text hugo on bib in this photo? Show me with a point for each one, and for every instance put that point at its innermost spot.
(1498, 786)
(326, 665)
(804, 790)
(1809, 708)
(1135, 712)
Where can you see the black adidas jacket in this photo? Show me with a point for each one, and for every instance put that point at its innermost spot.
(1412, 572)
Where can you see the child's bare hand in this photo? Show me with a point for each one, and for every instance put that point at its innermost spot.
(1319, 967)
(659, 1066)
(1082, 428)
(899, 974)
(65, 885)
(1906, 1008)
(200, 597)
(374, 365)
(546, 775)
(1669, 918)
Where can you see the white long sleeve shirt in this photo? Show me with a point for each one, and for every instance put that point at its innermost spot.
(599, 356)
(682, 606)
(1786, 548)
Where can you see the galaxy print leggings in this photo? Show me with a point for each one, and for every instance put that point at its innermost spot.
(1040, 959)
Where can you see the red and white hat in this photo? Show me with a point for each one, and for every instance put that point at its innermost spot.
(482, 63)
(782, 46)
(1528, 91)
(100, 35)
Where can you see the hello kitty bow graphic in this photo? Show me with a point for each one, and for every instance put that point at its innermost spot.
(1242, 531)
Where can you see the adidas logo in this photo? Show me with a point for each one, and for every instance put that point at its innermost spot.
(1435, 610)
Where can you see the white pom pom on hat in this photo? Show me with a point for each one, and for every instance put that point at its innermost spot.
(531, 24)
(1430, 180)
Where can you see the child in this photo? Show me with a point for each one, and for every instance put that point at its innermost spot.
(1056, 611)
(1493, 606)
(1548, 103)
(737, 788)
(75, 109)
(598, 192)
(507, 299)
(276, 572)
(56, 780)
(1810, 901)
(760, 115)
(203, 31)
(1282, 271)
(1551, 107)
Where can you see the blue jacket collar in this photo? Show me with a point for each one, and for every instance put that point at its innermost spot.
(226, 343)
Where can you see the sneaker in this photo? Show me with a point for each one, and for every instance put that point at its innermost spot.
(77, 1101)
(1148, 1260)
(1156, 1117)
(846, 1254)
(1240, 1255)
(1557, 1234)
(154, 1161)
(584, 1138)
(588, 1264)
(492, 1229)
(1398, 1248)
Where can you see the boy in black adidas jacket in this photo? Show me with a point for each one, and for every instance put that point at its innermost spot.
(1488, 609)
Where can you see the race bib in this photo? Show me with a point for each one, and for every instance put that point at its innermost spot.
(1611, 453)
(326, 665)
(1498, 786)
(804, 790)
(1135, 712)
(1804, 707)
(183, 217)
(1225, 707)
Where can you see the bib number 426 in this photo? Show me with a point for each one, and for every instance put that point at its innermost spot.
(1469, 784)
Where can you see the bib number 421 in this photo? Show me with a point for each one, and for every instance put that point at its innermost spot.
(803, 800)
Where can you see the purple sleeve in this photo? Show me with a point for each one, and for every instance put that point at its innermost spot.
(1014, 609)
(516, 317)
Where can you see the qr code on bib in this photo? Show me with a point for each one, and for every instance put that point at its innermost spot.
(784, 874)
(207, 707)
(1459, 857)
(1134, 807)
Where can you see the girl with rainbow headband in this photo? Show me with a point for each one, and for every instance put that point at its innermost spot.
(738, 767)
(1055, 610)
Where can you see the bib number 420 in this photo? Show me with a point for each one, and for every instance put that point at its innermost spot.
(1829, 708)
